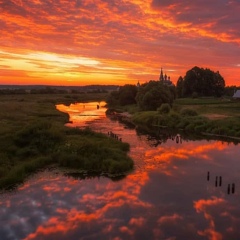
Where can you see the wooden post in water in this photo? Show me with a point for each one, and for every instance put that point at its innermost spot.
(233, 188)
(216, 181)
(228, 188)
(220, 181)
(208, 176)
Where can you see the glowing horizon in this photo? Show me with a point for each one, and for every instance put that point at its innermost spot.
(116, 42)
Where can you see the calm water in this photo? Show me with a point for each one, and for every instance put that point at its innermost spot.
(168, 195)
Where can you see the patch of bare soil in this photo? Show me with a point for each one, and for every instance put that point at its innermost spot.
(212, 116)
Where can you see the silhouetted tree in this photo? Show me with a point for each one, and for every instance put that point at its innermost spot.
(151, 95)
(179, 87)
(230, 90)
(127, 94)
(113, 98)
(203, 82)
(124, 96)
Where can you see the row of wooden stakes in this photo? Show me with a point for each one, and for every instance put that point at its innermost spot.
(218, 183)
(115, 136)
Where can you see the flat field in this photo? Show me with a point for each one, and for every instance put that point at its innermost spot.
(213, 108)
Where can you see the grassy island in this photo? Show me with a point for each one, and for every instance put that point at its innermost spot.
(33, 136)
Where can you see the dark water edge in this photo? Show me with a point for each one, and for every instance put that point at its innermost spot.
(164, 134)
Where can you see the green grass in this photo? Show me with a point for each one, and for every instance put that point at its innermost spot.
(210, 106)
(33, 136)
(215, 116)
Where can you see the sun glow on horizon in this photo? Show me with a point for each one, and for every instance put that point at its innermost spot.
(68, 68)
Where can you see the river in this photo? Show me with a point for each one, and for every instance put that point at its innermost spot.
(180, 189)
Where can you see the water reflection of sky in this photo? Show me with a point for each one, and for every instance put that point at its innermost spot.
(80, 114)
(166, 197)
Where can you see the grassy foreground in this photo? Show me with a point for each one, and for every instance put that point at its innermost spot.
(33, 136)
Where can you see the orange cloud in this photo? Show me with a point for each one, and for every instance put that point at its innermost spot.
(137, 221)
(130, 40)
(203, 205)
(166, 219)
(165, 158)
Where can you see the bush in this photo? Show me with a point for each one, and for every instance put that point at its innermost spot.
(183, 123)
(164, 109)
(194, 95)
(188, 112)
(200, 128)
(40, 137)
(190, 127)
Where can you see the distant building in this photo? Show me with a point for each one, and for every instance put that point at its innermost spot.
(162, 78)
(236, 95)
(165, 79)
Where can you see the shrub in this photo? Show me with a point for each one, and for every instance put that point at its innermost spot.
(173, 119)
(188, 112)
(164, 109)
(190, 127)
(183, 123)
(194, 95)
(200, 128)
(147, 118)
(40, 137)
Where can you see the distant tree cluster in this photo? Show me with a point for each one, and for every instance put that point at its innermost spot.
(45, 90)
(12, 91)
(230, 90)
(125, 95)
(153, 94)
(148, 96)
(199, 82)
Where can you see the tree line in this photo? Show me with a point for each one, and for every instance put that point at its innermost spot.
(148, 96)
(198, 82)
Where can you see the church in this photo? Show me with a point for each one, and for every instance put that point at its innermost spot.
(162, 78)
(165, 79)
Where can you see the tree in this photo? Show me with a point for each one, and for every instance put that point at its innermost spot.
(127, 94)
(151, 95)
(179, 87)
(230, 90)
(124, 96)
(202, 82)
(113, 98)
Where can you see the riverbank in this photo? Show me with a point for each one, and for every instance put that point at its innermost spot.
(208, 116)
(33, 136)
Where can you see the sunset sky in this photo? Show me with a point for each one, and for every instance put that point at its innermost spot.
(81, 42)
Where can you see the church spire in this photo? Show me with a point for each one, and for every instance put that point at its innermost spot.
(161, 78)
(138, 84)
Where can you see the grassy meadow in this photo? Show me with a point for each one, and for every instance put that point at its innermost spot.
(33, 136)
(210, 107)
